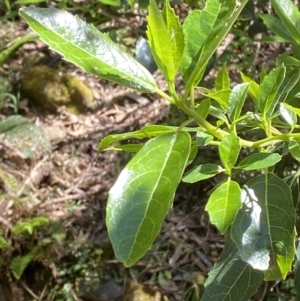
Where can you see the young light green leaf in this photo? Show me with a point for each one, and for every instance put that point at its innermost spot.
(197, 24)
(222, 81)
(259, 161)
(132, 148)
(201, 172)
(229, 150)
(4, 244)
(203, 108)
(288, 116)
(236, 101)
(146, 132)
(268, 90)
(86, 47)
(165, 35)
(176, 36)
(276, 26)
(231, 278)
(263, 233)
(295, 110)
(221, 97)
(294, 148)
(203, 139)
(225, 20)
(287, 60)
(218, 113)
(253, 87)
(223, 205)
(289, 15)
(289, 83)
(142, 195)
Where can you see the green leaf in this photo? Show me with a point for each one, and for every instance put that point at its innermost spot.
(222, 81)
(268, 90)
(133, 148)
(253, 87)
(203, 108)
(19, 263)
(276, 26)
(86, 47)
(263, 230)
(142, 195)
(295, 110)
(148, 131)
(197, 24)
(259, 161)
(294, 148)
(289, 116)
(229, 150)
(203, 139)
(290, 82)
(289, 15)
(30, 225)
(225, 20)
(297, 272)
(4, 244)
(287, 60)
(175, 33)
(223, 205)
(201, 172)
(231, 279)
(222, 97)
(236, 101)
(165, 35)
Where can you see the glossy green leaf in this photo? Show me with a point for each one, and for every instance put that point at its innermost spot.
(288, 116)
(221, 97)
(223, 205)
(253, 87)
(287, 60)
(225, 20)
(236, 101)
(143, 194)
(222, 81)
(289, 15)
(297, 272)
(276, 26)
(295, 110)
(203, 139)
(86, 47)
(197, 24)
(268, 90)
(218, 113)
(263, 230)
(148, 131)
(165, 35)
(133, 148)
(289, 83)
(294, 148)
(259, 161)
(229, 150)
(231, 278)
(203, 108)
(201, 172)
(176, 36)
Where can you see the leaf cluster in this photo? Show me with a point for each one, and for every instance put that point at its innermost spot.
(257, 218)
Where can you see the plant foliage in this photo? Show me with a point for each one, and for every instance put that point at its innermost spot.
(257, 218)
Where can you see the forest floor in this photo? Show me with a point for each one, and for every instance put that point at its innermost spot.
(69, 184)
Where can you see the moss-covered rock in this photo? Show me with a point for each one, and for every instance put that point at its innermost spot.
(48, 90)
